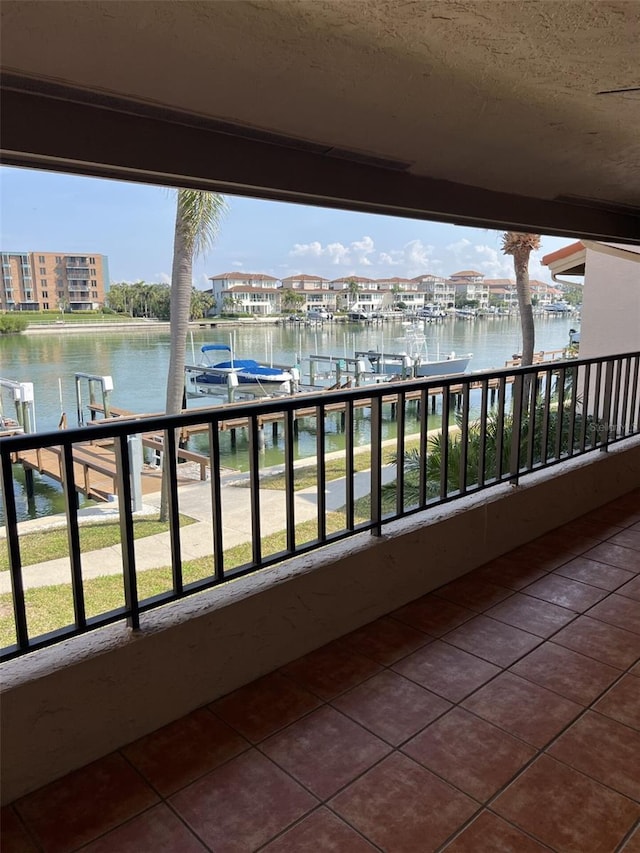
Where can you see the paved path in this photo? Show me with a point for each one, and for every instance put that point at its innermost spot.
(196, 539)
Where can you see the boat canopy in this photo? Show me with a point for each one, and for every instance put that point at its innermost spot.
(211, 347)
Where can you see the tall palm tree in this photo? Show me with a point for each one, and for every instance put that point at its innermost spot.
(198, 217)
(520, 246)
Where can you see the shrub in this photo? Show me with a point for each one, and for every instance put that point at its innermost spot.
(12, 324)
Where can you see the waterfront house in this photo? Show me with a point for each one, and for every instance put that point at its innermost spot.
(305, 282)
(387, 117)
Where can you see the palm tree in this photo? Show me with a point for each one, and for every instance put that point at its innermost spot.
(354, 291)
(198, 216)
(520, 246)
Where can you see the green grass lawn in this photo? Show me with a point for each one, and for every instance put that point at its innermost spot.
(43, 545)
(51, 607)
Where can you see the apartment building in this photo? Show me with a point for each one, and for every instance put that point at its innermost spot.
(47, 281)
(438, 291)
(305, 282)
(470, 286)
(504, 290)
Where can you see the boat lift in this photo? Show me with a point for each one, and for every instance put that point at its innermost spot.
(105, 385)
(25, 406)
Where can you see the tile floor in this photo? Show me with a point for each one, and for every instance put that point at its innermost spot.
(499, 713)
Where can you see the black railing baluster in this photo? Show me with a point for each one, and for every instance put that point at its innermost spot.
(502, 386)
(517, 394)
(634, 417)
(424, 445)
(321, 496)
(482, 461)
(376, 465)
(349, 427)
(400, 451)
(560, 412)
(254, 482)
(464, 439)
(170, 483)
(586, 383)
(597, 406)
(444, 452)
(546, 408)
(606, 408)
(289, 481)
(15, 559)
(532, 420)
(73, 535)
(615, 425)
(625, 396)
(216, 500)
(126, 531)
(573, 373)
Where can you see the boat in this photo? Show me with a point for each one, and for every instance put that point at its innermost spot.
(559, 307)
(414, 361)
(356, 316)
(261, 377)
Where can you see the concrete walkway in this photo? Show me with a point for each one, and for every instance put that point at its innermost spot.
(196, 539)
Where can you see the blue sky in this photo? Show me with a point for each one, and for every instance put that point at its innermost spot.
(133, 225)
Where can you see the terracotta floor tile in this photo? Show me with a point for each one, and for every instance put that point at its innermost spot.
(156, 830)
(490, 834)
(385, 640)
(13, 835)
(631, 589)
(546, 558)
(93, 800)
(320, 831)
(622, 702)
(325, 751)
(594, 573)
(627, 538)
(600, 641)
(522, 708)
(566, 593)
(494, 641)
(261, 708)
(620, 611)
(186, 749)
(604, 749)
(330, 670)
(391, 706)
(402, 807)
(470, 753)
(509, 573)
(532, 614)
(448, 671)
(243, 804)
(566, 672)
(473, 593)
(564, 541)
(615, 555)
(551, 801)
(635, 670)
(433, 615)
(596, 528)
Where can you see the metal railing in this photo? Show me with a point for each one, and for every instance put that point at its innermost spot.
(403, 447)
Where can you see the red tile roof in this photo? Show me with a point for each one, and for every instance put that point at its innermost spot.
(243, 276)
(465, 273)
(356, 278)
(304, 277)
(565, 252)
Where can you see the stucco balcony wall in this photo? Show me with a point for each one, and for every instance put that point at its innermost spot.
(68, 705)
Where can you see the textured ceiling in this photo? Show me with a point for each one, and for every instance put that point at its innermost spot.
(498, 95)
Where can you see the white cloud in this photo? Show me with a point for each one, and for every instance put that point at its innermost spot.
(163, 277)
(307, 249)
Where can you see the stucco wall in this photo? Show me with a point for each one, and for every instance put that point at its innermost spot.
(69, 705)
(610, 319)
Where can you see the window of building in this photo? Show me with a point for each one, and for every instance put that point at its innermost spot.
(43, 282)
(60, 294)
(45, 294)
(45, 305)
(92, 272)
(43, 270)
(92, 261)
(58, 259)
(94, 294)
(41, 259)
(94, 283)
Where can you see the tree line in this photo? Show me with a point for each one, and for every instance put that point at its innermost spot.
(140, 299)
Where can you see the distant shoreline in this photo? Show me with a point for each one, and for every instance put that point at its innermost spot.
(142, 326)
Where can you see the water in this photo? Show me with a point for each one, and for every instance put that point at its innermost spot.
(138, 363)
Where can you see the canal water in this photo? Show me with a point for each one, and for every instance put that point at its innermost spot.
(138, 364)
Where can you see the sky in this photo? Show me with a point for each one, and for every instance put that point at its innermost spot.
(133, 225)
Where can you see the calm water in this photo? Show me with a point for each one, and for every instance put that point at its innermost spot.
(138, 364)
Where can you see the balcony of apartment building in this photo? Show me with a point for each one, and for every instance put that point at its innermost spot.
(442, 653)
(371, 668)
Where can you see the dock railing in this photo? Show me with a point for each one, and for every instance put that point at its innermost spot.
(378, 453)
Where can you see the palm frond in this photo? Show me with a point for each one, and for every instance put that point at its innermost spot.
(516, 241)
(200, 214)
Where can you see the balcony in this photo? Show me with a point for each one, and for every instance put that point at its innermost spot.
(499, 712)
(529, 452)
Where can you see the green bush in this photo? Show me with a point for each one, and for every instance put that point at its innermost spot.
(12, 324)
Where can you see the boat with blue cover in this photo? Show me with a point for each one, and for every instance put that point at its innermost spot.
(247, 370)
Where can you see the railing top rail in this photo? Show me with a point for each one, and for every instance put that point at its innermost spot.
(113, 427)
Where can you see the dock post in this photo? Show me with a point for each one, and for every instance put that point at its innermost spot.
(274, 432)
(261, 441)
(233, 438)
(135, 464)
(433, 404)
(28, 483)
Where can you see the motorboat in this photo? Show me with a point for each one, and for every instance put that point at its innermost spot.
(356, 316)
(559, 307)
(414, 360)
(247, 371)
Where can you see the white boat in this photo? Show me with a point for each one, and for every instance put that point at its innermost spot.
(414, 361)
(559, 307)
(357, 316)
(246, 370)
